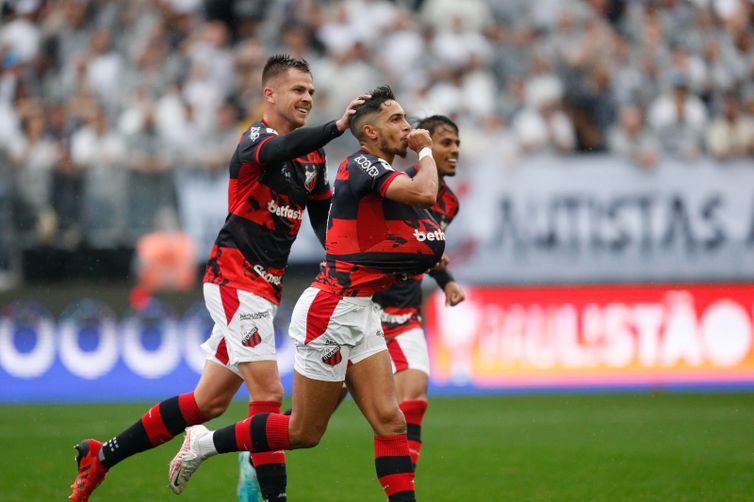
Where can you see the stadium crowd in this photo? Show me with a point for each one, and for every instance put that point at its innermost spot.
(105, 105)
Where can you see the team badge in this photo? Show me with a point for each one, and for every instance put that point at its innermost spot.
(332, 356)
(251, 338)
(254, 133)
(310, 177)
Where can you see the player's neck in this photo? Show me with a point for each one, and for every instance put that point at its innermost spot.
(376, 150)
(277, 122)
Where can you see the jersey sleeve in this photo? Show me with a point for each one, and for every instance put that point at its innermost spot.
(372, 174)
(252, 141)
(322, 189)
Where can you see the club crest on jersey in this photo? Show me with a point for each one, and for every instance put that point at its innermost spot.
(251, 338)
(310, 177)
(332, 356)
(254, 133)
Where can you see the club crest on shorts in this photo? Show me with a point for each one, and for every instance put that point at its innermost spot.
(251, 338)
(332, 356)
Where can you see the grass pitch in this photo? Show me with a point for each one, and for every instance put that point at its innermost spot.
(565, 447)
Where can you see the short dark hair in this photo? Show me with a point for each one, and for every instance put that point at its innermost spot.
(281, 63)
(431, 123)
(372, 105)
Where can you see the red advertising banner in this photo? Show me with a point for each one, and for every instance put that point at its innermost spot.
(593, 336)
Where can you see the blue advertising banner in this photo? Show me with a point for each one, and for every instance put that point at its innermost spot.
(88, 354)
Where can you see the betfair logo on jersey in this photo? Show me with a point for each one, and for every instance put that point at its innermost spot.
(272, 279)
(372, 170)
(437, 235)
(285, 211)
(251, 338)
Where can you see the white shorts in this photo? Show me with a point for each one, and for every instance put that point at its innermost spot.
(331, 331)
(243, 330)
(409, 351)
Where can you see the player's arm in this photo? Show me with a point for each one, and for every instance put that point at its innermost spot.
(318, 211)
(453, 292)
(306, 139)
(421, 190)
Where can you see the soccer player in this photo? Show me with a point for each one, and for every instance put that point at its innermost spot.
(277, 171)
(379, 233)
(401, 303)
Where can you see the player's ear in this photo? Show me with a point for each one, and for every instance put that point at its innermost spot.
(369, 131)
(269, 94)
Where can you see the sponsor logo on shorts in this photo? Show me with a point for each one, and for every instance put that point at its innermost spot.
(332, 356)
(254, 316)
(251, 338)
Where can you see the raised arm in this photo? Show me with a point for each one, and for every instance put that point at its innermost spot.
(307, 139)
(421, 190)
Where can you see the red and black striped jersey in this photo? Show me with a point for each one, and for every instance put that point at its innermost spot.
(373, 242)
(401, 302)
(266, 205)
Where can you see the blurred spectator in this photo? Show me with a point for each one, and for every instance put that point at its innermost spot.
(67, 196)
(96, 144)
(151, 189)
(631, 140)
(731, 134)
(33, 156)
(20, 38)
(542, 125)
(679, 118)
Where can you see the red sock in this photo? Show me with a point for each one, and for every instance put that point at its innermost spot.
(394, 468)
(414, 413)
(261, 433)
(161, 423)
(270, 466)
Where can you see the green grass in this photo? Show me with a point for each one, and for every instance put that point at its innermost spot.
(574, 447)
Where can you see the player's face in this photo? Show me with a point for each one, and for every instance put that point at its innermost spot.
(293, 96)
(392, 128)
(445, 149)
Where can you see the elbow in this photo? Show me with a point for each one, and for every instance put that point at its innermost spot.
(426, 200)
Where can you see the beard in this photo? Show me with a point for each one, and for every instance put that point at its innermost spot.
(400, 151)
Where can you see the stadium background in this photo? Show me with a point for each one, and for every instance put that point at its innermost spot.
(607, 212)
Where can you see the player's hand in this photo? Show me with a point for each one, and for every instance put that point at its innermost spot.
(453, 294)
(343, 122)
(418, 139)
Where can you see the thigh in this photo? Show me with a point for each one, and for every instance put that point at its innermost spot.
(262, 379)
(370, 382)
(216, 387)
(314, 401)
(411, 385)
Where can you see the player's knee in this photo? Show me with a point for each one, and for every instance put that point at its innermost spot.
(306, 438)
(270, 392)
(213, 407)
(391, 422)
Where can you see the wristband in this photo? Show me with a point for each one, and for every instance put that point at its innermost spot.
(425, 152)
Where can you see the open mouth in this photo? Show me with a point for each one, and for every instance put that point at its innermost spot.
(452, 161)
(303, 110)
